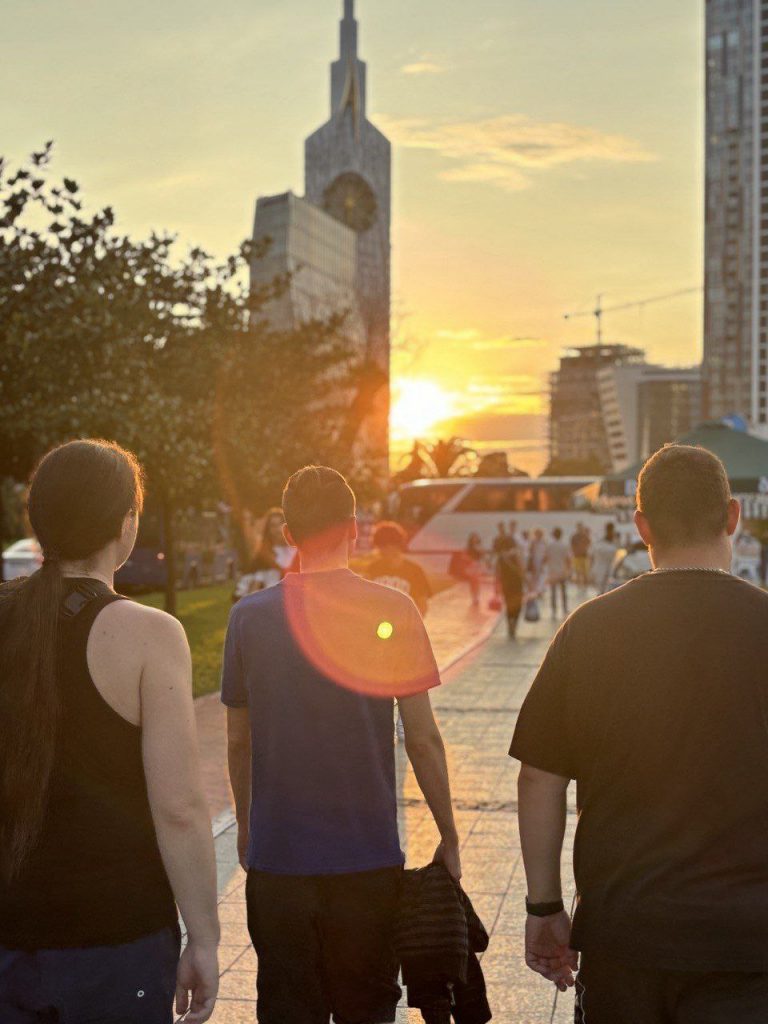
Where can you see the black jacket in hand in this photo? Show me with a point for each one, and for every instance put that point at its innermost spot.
(438, 937)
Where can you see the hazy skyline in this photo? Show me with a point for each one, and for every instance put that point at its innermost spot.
(544, 151)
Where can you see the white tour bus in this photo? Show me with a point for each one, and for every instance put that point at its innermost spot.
(441, 514)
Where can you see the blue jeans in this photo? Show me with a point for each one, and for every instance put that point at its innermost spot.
(132, 983)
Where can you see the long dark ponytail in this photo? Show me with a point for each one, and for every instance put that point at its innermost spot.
(79, 496)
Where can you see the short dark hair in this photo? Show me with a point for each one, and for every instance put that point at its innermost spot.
(390, 534)
(316, 499)
(683, 492)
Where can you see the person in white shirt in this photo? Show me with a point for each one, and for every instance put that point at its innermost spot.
(603, 554)
(558, 564)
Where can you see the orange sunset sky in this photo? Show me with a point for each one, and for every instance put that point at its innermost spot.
(545, 151)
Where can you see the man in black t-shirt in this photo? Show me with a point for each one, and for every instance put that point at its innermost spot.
(392, 569)
(654, 698)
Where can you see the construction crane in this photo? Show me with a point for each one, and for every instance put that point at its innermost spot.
(599, 309)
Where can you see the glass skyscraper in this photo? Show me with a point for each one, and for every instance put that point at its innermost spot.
(735, 368)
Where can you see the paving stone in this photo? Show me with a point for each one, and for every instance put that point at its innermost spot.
(239, 1011)
(238, 985)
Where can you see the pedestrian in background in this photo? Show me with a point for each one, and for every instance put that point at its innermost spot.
(467, 565)
(603, 555)
(511, 579)
(103, 827)
(580, 545)
(524, 547)
(502, 541)
(311, 668)
(558, 566)
(392, 569)
(653, 698)
(537, 557)
(513, 534)
(272, 559)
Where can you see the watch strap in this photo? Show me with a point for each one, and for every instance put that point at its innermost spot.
(544, 909)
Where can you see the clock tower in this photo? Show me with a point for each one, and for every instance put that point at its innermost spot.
(348, 171)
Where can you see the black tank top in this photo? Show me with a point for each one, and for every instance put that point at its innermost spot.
(95, 878)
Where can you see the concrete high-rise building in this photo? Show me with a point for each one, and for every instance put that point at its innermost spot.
(318, 257)
(735, 367)
(336, 240)
(645, 406)
(668, 407)
(579, 431)
(610, 408)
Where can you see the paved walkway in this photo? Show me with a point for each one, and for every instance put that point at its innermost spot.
(476, 707)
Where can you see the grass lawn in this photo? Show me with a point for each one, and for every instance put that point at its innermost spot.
(204, 612)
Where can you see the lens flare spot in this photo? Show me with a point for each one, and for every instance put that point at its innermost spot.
(385, 630)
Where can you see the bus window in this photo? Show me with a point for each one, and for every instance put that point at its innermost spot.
(417, 505)
(556, 498)
(501, 498)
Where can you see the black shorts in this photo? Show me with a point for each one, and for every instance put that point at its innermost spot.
(610, 992)
(132, 983)
(325, 946)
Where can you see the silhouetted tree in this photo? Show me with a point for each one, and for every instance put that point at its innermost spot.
(104, 336)
(450, 457)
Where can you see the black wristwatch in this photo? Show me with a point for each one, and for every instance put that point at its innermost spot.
(544, 909)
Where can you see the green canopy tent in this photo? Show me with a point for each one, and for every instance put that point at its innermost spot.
(744, 456)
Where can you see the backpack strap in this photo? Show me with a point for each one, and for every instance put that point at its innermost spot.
(84, 594)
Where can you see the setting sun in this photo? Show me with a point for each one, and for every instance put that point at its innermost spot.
(418, 407)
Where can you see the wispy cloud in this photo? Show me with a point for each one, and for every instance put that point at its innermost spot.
(422, 67)
(507, 150)
(495, 344)
(510, 393)
(504, 383)
(471, 338)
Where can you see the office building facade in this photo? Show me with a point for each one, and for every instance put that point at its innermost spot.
(735, 365)
(579, 432)
(315, 255)
(645, 406)
(610, 408)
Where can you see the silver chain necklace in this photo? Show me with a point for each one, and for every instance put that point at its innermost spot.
(692, 568)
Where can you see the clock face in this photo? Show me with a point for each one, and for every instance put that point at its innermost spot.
(350, 199)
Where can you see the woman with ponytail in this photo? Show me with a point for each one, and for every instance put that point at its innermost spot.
(104, 830)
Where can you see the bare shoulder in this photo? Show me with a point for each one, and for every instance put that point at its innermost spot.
(141, 626)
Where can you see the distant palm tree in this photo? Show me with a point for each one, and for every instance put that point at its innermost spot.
(450, 458)
(441, 458)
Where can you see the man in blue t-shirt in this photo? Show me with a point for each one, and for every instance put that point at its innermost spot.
(311, 670)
